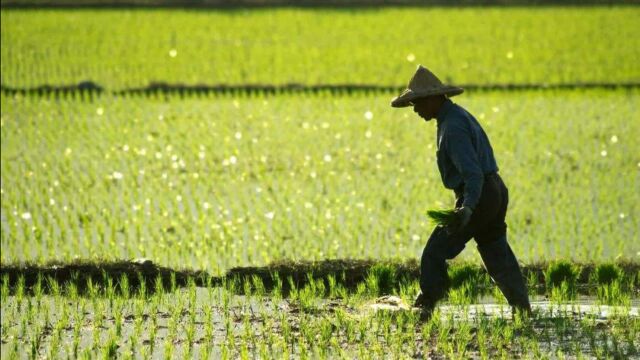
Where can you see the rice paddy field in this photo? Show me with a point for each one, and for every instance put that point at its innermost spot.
(357, 46)
(249, 224)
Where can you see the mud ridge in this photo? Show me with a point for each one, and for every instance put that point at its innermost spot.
(155, 88)
(284, 275)
(314, 4)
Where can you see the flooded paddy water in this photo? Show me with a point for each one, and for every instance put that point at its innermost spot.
(216, 322)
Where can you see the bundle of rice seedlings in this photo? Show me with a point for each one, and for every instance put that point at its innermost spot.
(444, 217)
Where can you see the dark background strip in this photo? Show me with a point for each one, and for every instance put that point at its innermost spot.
(338, 89)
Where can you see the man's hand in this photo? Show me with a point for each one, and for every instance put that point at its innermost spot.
(464, 215)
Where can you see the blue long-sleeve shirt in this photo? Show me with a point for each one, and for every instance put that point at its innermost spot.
(464, 152)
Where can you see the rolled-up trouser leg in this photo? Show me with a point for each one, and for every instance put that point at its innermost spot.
(503, 268)
(434, 279)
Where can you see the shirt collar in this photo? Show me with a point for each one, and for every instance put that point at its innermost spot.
(444, 109)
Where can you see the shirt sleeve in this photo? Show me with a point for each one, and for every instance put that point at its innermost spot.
(464, 157)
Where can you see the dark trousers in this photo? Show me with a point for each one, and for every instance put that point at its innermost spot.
(488, 228)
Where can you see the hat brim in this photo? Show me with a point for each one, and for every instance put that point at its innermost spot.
(407, 96)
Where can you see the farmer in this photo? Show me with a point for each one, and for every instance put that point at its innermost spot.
(467, 166)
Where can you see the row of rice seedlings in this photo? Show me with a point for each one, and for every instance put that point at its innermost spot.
(63, 47)
(608, 280)
(314, 334)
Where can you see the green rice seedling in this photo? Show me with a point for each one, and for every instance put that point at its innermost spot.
(306, 331)
(258, 285)
(326, 330)
(124, 286)
(172, 282)
(407, 289)
(276, 290)
(224, 352)
(71, 290)
(559, 273)
(482, 338)
(138, 316)
(37, 289)
(371, 285)
(311, 284)
(247, 290)
(174, 318)
(208, 324)
(463, 295)
(472, 278)
(110, 288)
(188, 352)
(133, 346)
(293, 290)
(158, 285)
(168, 348)
(443, 217)
(612, 294)
(36, 341)
(142, 285)
(306, 298)
(244, 351)
(606, 273)
(92, 289)
(562, 293)
(498, 296)
(54, 343)
(87, 354)
(331, 280)
(385, 276)
(263, 352)
(77, 327)
(118, 315)
(461, 340)
(153, 330)
(97, 325)
(362, 290)
(532, 283)
(19, 291)
(228, 329)
(284, 326)
(4, 290)
(54, 287)
(247, 334)
(320, 288)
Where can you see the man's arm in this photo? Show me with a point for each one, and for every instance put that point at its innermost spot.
(464, 157)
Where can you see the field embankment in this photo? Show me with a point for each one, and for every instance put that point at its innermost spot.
(248, 4)
(349, 273)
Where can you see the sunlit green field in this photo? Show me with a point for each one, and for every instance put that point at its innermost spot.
(356, 46)
(214, 182)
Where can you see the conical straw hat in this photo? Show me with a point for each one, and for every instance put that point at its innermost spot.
(422, 84)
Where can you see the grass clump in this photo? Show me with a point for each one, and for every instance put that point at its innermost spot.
(381, 279)
(561, 271)
(444, 217)
(607, 273)
(467, 281)
(561, 278)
